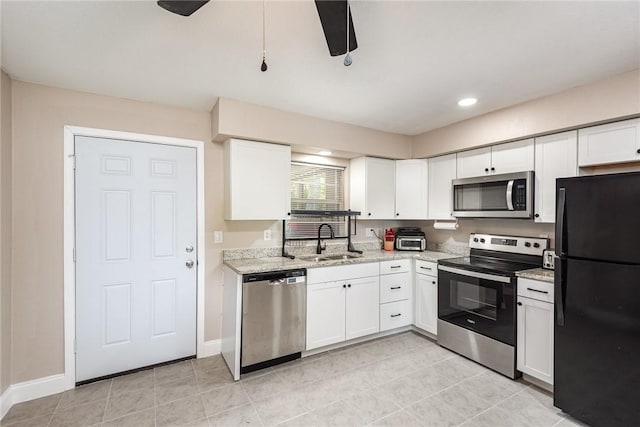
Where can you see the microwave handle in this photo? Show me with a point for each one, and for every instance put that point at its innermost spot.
(510, 195)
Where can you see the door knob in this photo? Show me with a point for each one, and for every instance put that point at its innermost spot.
(189, 263)
(189, 248)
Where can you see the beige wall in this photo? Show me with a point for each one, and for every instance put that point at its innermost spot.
(604, 100)
(5, 232)
(249, 121)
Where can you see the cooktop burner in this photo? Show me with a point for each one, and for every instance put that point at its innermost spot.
(488, 265)
(500, 255)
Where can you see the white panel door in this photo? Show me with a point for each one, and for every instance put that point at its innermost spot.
(427, 303)
(135, 233)
(362, 307)
(556, 157)
(612, 143)
(512, 157)
(325, 314)
(472, 163)
(442, 170)
(411, 189)
(535, 338)
(381, 188)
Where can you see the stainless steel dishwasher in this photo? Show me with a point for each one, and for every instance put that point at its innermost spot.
(274, 310)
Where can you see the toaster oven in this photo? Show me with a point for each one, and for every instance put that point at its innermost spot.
(410, 239)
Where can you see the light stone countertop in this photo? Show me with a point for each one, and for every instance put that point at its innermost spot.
(540, 274)
(262, 265)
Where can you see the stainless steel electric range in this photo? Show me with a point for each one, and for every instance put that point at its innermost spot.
(477, 298)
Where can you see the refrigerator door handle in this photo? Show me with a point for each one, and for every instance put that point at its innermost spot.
(558, 291)
(562, 199)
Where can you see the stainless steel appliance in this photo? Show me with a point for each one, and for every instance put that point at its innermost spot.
(477, 298)
(410, 239)
(548, 259)
(496, 196)
(597, 299)
(274, 309)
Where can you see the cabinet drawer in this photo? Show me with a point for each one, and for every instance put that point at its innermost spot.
(541, 291)
(342, 272)
(427, 267)
(395, 266)
(395, 287)
(395, 314)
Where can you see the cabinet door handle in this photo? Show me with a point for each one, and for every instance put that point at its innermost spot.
(493, 169)
(349, 285)
(638, 151)
(397, 214)
(396, 287)
(344, 286)
(396, 315)
(434, 282)
(486, 169)
(519, 303)
(395, 266)
(537, 290)
(425, 268)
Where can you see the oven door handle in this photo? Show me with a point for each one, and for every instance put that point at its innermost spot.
(493, 277)
(510, 195)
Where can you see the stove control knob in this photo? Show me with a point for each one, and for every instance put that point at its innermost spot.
(536, 245)
(475, 239)
(481, 240)
(527, 244)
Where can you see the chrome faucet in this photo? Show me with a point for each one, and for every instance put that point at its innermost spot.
(319, 248)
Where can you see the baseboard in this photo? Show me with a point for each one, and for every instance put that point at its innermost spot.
(29, 390)
(5, 402)
(210, 348)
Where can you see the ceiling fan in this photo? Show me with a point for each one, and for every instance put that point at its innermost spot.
(333, 17)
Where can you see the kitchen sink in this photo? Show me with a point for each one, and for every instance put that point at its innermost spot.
(343, 256)
(319, 258)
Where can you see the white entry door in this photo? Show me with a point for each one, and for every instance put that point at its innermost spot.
(135, 255)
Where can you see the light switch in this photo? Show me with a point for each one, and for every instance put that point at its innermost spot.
(217, 237)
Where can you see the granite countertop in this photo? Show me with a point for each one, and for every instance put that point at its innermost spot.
(540, 274)
(261, 265)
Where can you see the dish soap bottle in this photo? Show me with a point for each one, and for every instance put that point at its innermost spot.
(389, 237)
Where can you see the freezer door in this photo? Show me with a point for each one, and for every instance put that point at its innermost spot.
(596, 365)
(598, 217)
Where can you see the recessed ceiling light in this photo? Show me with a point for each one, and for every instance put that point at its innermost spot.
(467, 102)
(325, 153)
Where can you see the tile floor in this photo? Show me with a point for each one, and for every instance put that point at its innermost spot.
(403, 380)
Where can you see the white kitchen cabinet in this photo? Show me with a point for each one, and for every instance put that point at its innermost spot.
(395, 294)
(441, 170)
(372, 189)
(343, 307)
(556, 157)
(257, 180)
(411, 189)
(362, 304)
(612, 143)
(517, 156)
(426, 306)
(325, 314)
(535, 329)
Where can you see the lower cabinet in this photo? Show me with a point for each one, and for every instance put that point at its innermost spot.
(426, 311)
(342, 310)
(535, 330)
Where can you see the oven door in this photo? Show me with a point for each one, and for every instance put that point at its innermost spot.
(483, 303)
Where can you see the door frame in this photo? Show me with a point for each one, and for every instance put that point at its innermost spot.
(70, 132)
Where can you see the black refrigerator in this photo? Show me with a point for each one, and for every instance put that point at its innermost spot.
(597, 299)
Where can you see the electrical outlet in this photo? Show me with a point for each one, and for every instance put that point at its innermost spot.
(267, 234)
(369, 232)
(217, 237)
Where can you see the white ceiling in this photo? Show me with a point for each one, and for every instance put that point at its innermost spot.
(415, 59)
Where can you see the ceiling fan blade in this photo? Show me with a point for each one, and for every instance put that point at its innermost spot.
(182, 7)
(333, 17)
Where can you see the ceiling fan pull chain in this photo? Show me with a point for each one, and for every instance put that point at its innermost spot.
(263, 67)
(347, 58)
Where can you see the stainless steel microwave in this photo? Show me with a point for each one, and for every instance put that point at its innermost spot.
(508, 195)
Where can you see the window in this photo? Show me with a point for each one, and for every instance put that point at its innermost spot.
(316, 187)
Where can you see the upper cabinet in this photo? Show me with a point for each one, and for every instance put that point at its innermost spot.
(511, 157)
(441, 170)
(257, 180)
(411, 189)
(373, 187)
(608, 144)
(556, 157)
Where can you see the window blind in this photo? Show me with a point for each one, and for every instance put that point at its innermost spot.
(316, 187)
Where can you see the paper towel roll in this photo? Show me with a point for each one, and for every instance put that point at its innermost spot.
(440, 225)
